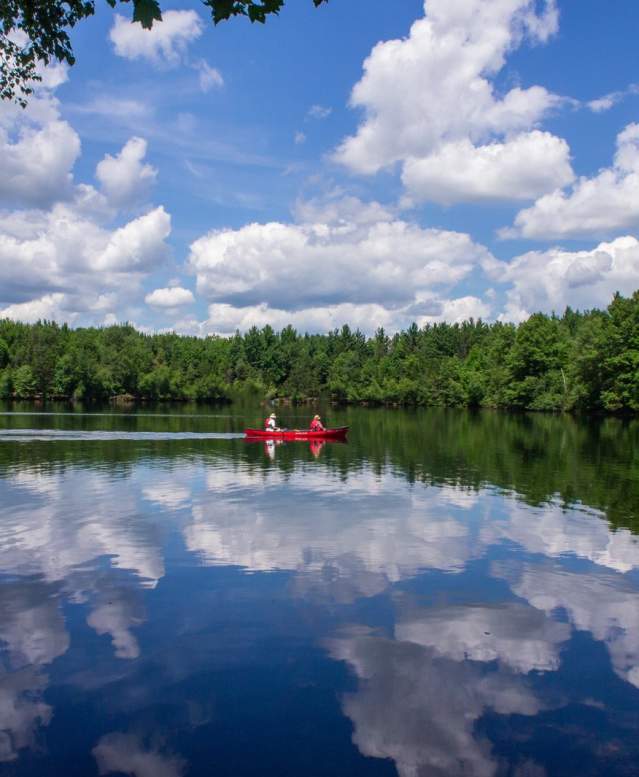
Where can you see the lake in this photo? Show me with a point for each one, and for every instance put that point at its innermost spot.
(448, 593)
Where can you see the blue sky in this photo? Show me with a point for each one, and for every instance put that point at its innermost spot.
(367, 162)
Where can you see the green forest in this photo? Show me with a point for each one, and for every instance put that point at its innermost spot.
(579, 361)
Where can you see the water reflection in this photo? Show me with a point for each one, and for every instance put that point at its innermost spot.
(305, 520)
(520, 637)
(126, 754)
(316, 446)
(202, 600)
(540, 457)
(602, 604)
(421, 709)
(52, 524)
(22, 710)
(33, 635)
(270, 447)
(115, 611)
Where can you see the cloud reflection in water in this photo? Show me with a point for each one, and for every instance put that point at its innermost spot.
(526, 580)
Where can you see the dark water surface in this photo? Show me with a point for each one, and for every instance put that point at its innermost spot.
(446, 594)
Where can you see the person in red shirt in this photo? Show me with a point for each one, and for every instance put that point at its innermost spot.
(316, 424)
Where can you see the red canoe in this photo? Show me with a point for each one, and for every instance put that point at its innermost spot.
(298, 434)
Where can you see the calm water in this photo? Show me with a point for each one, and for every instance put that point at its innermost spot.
(446, 594)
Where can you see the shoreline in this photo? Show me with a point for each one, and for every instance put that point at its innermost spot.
(131, 402)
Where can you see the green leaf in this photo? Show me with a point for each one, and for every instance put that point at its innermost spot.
(256, 10)
(146, 12)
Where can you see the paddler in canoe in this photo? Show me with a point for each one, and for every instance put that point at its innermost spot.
(270, 424)
(316, 430)
(316, 424)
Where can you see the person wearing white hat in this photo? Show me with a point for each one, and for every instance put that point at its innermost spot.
(270, 423)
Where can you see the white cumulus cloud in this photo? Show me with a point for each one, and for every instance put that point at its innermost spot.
(430, 104)
(551, 280)
(170, 297)
(390, 262)
(345, 261)
(36, 168)
(37, 147)
(138, 245)
(225, 319)
(522, 168)
(125, 178)
(165, 44)
(601, 205)
(48, 307)
(60, 264)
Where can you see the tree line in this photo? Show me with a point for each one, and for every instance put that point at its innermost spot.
(579, 361)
